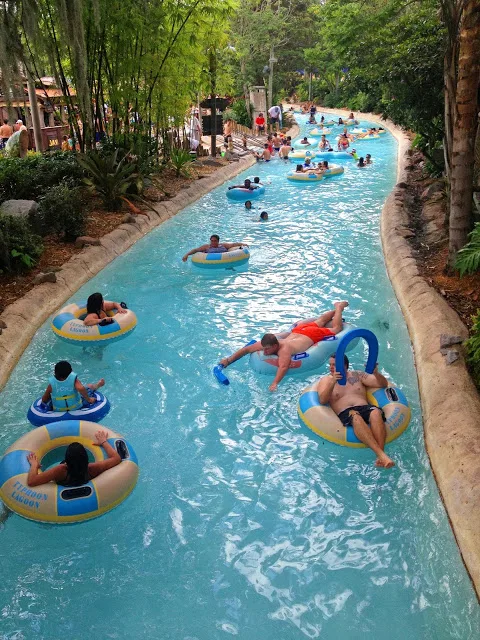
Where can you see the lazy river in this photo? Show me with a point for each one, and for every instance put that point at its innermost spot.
(243, 523)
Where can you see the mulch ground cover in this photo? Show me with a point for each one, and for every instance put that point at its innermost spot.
(99, 223)
(462, 294)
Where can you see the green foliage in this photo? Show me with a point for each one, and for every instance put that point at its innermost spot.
(240, 113)
(19, 247)
(29, 178)
(472, 346)
(109, 177)
(62, 211)
(468, 258)
(360, 102)
(179, 160)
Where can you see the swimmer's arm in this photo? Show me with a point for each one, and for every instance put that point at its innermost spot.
(83, 392)
(240, 353)
(96, 468)
(108, 305)
(283, 366)
(374, 379)
(35, 478)
(48, 394)
(91, 320)
(230, 245)
(192, 251)
(326, 385)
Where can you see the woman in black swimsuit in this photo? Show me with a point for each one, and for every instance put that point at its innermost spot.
(75, 470)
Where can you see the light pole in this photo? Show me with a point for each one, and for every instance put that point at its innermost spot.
(271, 62)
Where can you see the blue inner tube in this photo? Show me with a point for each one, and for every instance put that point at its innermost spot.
(40, 413)
(241, 194)
(372, 342)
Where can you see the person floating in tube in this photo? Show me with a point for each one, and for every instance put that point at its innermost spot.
(350, 403)
(97, 308)
(76, 469)
(304, 335)
(214, 247)
(65, 392)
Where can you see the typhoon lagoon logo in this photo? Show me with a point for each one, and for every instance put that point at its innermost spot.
(25, 495)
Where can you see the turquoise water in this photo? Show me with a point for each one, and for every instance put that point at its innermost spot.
(243, 522)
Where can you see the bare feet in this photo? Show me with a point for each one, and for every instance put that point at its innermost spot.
(342, 305)
(384, 461)
(97, 385)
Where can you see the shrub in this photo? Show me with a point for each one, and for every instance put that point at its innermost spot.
(109, 177)
(19, 247)
(240, 113)
(179, 160)
(29, 178)
(360, 102)
(468, 258)
(62, 211)
(472, 346)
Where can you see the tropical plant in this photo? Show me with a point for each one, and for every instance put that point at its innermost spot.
(19, 247)
(109, 177)
(468, 258)
(180, 160)
(472, 347)
(62, 211)
(29, 178)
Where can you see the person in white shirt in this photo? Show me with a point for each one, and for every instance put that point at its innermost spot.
(275, 114)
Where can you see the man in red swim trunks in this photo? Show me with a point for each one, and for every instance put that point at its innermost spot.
(304, 335)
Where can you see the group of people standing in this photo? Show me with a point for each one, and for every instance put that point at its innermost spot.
(7, 131)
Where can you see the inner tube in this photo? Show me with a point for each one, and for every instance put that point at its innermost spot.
(241, 194)
(55, 503)
(333, 170)
(304, 177)
(297, 144)
(68, 325)
(235, 257)
(324, 421)
(40, 413)
(327, 155)
(312, 358)
(301, 154)
(316, 133)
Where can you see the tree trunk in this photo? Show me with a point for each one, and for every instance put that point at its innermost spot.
(464, 130)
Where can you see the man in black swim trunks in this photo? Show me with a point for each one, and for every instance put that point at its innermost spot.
(351, 405)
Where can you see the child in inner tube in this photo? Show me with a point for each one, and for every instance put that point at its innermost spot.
(97, 308)
(72, 392)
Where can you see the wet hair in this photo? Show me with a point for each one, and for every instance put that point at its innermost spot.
(269, 340)
(214, 235)
(256, 180)
(264, 215)
(95, 303)
(247, 182)
(5, 122)
(361, 162)
(368, 155)
(325, 164)
(62, 370)
(346, 361)
(248, 202)
(299, 167)
(76, 459)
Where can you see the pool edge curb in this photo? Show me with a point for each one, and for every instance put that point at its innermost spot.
(26, 315)
(445, 390)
